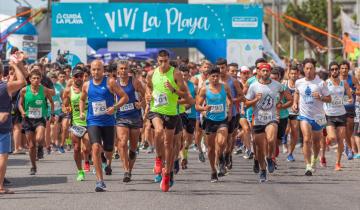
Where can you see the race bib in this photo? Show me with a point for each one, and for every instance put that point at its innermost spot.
(265, 116)
(127, 107)
(321, 120)
(99, 108)
(35, 113)
(161, 100)
(188, 111)
(336, 101)
(346, 100)
(57, 106)
(217, 108)
(78, 130)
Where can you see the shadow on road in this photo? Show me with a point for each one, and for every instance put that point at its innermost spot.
(18, 182)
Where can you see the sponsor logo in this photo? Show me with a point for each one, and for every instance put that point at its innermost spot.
(244, 22)
(69, 19)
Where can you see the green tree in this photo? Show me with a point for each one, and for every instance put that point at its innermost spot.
(314, 12)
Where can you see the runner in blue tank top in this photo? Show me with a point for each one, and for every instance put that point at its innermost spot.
(217, 97)
(99, 93)
(128, 118)
(237, 96)
(350, 107)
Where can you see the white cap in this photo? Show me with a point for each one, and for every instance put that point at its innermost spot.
(244, 68)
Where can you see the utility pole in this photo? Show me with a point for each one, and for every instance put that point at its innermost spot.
(273, 26)
(330, 30)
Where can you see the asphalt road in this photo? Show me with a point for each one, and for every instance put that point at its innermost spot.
(55, 186)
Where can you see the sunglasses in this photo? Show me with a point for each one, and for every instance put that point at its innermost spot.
(78, 76)
(334, 69)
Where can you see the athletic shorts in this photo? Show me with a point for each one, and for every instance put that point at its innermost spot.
(197, 115)
(350, 112)
(357, 129)
(30, 125)
(282, 128)
(179, 125)
(103, 135)
(188, 124)
(64, 116)
(336, 121)
(233, 124)
(16, 118)
(314, 125)
(261, 128)
(5, 143)
(293, 117)
(212, 126)
(132, 123)
(169, 122)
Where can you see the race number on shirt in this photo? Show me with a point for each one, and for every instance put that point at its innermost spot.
(265, 116)
(346, 100)
(35, 113)
(160, 100)
(99, 108)
(127, 107)
(217, 108)
(78, 131)
(336, 100)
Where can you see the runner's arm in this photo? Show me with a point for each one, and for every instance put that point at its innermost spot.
(348, 92)
(240, 94)
(13, 86)
(115, 88)
(66, 100)
(48, 95)
(140, 89)
(182, 91)
(83, 97)
(229, 101)
(149, 87)
(21, 102)
(289, 100)
(200, 99)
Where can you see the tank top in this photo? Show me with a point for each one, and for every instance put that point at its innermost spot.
(163, 100)
(292, 91)
(99, 99)
(75, 110)
(35, 105)
(336, 107)
(233, 94)
(5, 106)
(128, 110)
(57, 100)
(217, 102)
(191, 112)
(346, 97)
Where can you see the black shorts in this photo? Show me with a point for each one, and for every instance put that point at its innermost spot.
(234, 124)
(350, 112)
(212, 126)
(282, 128)
(131, 123)
(16, 118)
(261, 128)
(336, 121)
(30, 125)
(169, 122)
(103, 135)
(188, 124)
(357, 129)
(179, 125)
(293, 117)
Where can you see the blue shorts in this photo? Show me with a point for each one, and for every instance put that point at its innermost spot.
(314, 125)
(5, 143)
(198, 116)
(249, 113)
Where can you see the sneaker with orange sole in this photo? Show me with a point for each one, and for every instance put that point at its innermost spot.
(165, 182)
(323, 162)
(337, 167)
(158, 165)
(87, 167)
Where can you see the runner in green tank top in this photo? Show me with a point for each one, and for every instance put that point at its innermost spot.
(164, 86)
(71, 101)
(33, 108)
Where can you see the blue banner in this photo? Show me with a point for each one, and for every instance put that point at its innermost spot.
(156, 21)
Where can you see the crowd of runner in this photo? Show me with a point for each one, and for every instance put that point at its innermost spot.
(105, 112)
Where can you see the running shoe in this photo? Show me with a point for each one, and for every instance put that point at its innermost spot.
(157, 178)
(357, 156)
(290, 158)
(150, 150)
(270, 165)
(176, 166)
(80, 176)
(256, 167)
(158, 165)
(165, 182)
(348, 152)
(337, 167)
(100, 186)
(108, 170)
(127, 177)
(284, 149)
(308, 170)
(172, 181)
(262, 177)
(222, 170)
(87, 167)
(237, 151)
(48, 150)
(40, 152)
(184, 163)
(214, 178)
(202, 157)
(323, 162)
(33, 171)
(248, 155)
(116, 156)
(61, 150)
(229, 166)
(313, 163)
(6, 182)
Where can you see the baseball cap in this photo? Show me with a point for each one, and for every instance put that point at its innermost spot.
(244, 69)
(77, 71)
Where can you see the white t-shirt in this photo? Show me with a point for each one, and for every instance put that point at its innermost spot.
(310, 107)
(265, 109)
